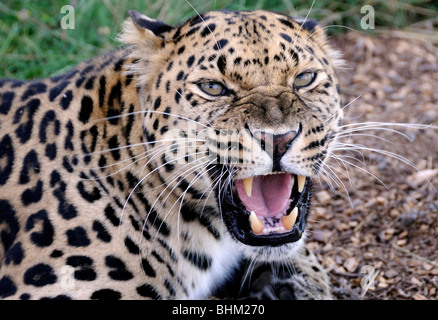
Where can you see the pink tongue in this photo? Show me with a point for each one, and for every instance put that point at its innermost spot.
(270, 194)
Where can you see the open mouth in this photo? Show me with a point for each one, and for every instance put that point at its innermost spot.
(267, 210)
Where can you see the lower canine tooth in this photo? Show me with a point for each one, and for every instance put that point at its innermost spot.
(289, 220)
(301, 182)
(256, 223)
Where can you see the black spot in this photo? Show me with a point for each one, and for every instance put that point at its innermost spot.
(48, 119)
(43, 236)
(170, 66)
(102, 234)
(83, 265)
(222, 64)
(68, 144)
(33, 89)
(106, 294)
(7, 287)
(102, 91)
(77, 237)
(178, 95)
(86, 109)
(148, 291)
(208, 30)
(110, 213)
(90, 83)
(6, 99)
(24, 130)
(6, 159)
(90, 196)
(56, 91)
(202, 261)
(150, 137)
(187, 213)
(131, 246)
(14, 255)
(25, 296)
(190, 61)
(119, 272)
(32, 195)
(40, 275)
(168, 165)
(156, 124)
(115, 103)
(286, 37)
(181, 49)
(196, 194)
(30, 163)
(287, 23)
(157, 103)
(118, 65)
(113, 144)
(220, 44)
(88, 142)
(200, 18)
(164, 129)
(146, 266)
(169, 287)
(66, 99)
(65, 208)
(180, 76)
(9, 232)
(50, 151)
(158, 82)
(56, 254)
(167, 112)
(82, 75)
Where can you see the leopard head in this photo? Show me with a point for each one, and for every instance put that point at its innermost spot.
(245, 105)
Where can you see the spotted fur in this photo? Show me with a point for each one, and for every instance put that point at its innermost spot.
(92, 204)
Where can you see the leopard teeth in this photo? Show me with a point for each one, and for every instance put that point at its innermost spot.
(290, 219)
(301, 182)
(256, 223)
(247, 184)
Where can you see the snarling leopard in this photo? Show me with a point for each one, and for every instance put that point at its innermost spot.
(179, 166)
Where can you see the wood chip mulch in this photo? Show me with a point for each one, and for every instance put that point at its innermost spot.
(379, 240)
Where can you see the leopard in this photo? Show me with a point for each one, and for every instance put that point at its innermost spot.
(177, 166)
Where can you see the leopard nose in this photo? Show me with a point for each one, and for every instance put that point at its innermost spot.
(276, 145)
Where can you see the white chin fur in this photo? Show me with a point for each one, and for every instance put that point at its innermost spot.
(272, 254)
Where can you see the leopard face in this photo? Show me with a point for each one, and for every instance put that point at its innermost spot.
(160, 169)
(246, 108)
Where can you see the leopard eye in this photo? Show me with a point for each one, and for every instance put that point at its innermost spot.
(212, 88)
(304, 79)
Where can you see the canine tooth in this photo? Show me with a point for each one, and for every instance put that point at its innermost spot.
(301, 182)
(256, 223)
(247, 184)
(289, 220)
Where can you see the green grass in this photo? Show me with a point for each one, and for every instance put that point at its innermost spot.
(34, 45)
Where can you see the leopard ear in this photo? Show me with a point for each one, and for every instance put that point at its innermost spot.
(316, 32)
(308, 24)
(143, 22)
(144, 31)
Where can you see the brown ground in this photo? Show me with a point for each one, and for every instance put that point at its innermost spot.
(392, 225)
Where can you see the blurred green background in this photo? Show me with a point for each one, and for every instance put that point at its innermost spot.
(33, 45)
